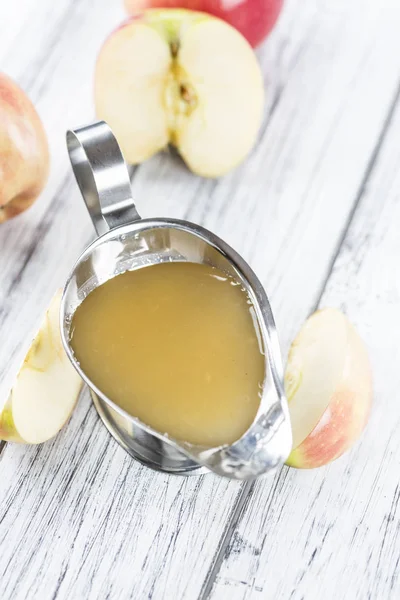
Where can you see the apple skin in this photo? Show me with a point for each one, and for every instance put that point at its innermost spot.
(253, 18)
(23, 148)
(340, 426)
(347, 413)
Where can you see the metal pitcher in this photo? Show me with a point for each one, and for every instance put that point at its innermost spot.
(127, 242)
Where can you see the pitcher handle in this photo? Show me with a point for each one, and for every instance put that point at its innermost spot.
(102, 176)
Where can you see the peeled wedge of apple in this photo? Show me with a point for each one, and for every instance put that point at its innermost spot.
(328, 384)
(46, 389)
(185, 78)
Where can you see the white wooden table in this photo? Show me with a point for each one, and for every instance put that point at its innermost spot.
(316, 211)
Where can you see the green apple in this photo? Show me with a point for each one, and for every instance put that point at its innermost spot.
(328, 384)
(185, 78)
(46, 389)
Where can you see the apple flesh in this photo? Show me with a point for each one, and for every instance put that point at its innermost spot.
(328, 384)
(46, 389)
(180, 77)
(24, 164)
(253, 18)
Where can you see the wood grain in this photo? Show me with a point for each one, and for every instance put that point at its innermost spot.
(78, 518)
(334, 532)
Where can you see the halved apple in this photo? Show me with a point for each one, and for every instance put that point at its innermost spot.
(328, 384)
(46, 389)
(180, 77)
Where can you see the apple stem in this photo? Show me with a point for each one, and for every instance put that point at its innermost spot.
(174, 46)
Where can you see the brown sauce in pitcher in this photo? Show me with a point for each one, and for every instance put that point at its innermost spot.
(176, 345)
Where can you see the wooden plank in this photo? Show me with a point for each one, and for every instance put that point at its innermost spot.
(40, 246)
(334, 532)
(79, 518)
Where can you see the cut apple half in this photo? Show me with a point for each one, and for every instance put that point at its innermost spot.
(46, 389)
(328, 384)
(180, 77)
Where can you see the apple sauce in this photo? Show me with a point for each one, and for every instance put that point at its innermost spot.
(176, 345)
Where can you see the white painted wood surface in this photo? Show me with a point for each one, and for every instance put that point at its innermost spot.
(335, 532)
(78, 518)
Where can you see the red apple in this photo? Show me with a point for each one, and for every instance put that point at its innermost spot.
(24, 152)
(185, 78)
(253, 18)
(329, 388)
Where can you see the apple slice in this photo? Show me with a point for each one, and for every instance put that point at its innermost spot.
(328, 384)
(180, 77)
(46, 390)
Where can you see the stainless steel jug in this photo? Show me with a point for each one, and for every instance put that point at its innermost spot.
(127, 242)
